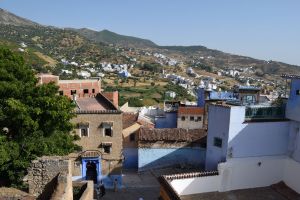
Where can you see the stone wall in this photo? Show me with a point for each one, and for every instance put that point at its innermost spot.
(50, 177)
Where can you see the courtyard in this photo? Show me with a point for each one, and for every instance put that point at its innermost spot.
(264, 193)
(135, 185)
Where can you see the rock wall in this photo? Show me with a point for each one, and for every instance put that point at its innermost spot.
(49, 176)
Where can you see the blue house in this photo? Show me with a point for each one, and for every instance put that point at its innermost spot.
(160, 148)
(124, 74)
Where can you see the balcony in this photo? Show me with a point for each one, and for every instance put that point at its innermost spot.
(265, 113)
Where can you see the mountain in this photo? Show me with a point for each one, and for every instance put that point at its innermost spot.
(109, 37)
(9, 18)
(85, 45)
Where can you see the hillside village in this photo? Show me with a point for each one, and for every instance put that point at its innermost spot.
(149, 138)
(159, 122)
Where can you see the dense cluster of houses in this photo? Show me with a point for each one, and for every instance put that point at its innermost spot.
(249, 145)
(225, 134)
(87, 69)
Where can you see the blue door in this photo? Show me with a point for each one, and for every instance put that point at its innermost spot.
(91, 169)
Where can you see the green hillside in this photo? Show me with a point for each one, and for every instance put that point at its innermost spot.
(109, 37)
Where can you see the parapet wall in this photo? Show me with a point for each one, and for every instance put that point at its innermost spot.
(50, 177)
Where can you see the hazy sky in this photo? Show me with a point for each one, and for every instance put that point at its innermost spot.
(265, 29)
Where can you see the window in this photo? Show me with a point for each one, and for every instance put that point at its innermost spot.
(297, 92)
(73, 92)
(61, 93)
(248, 99)
(218, 142)
(132, 137)
(93, 91)
(85, 91)
(192, 118)
(198, 119)
(183, 118)
(84, 132)
(108, 132)
(106, 148)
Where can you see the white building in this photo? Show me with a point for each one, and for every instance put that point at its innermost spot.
(23, 45)
(248, 147)
(74, 63)
(66, 71)
(84, 74)
(171, 94)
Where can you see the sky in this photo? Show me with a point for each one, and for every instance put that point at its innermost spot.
(263, 29)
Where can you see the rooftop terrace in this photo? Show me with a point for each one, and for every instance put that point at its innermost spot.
(99, 103)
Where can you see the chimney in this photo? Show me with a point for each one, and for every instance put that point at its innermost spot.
(113, 97)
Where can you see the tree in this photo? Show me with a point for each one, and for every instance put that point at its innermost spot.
(34, 120)
(152, 67)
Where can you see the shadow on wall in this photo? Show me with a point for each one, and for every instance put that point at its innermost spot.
(130, 158)
(49, 189)
(109, 181)
(259, 139)
(182, 157)
(130, 150)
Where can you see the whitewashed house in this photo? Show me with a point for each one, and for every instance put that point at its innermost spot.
(66, 71)
(23, 45)
(74, 63)
(247, 147)
(84, 74)
(171, 94)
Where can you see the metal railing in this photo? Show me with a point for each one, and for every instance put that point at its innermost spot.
(265, 113)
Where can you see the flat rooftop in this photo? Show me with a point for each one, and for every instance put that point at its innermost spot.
(78, 81)
(264, 193)
(98, 103)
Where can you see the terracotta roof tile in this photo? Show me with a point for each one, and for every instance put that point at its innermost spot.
(172, 134)
(190, 111)
(129, 119)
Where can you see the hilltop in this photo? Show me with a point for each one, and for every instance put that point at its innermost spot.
(55, 49)
(109, 37)
(10, 18)
(105, 37)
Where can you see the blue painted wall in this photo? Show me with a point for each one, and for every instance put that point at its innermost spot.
(150, 158)
(241, 139)
(256, 139)
(131, 158)
(293, 104)
(218, 126)
(200, 97)
(168, 121)
(294, 141)
(108, 181)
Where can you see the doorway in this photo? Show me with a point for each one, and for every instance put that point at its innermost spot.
(91, 169)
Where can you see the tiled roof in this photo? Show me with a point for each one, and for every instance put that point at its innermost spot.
(129, 119)
(190, 111)
(191, 175)
(243, 87)
(290, 76)
(172, 134)
(98, 103)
